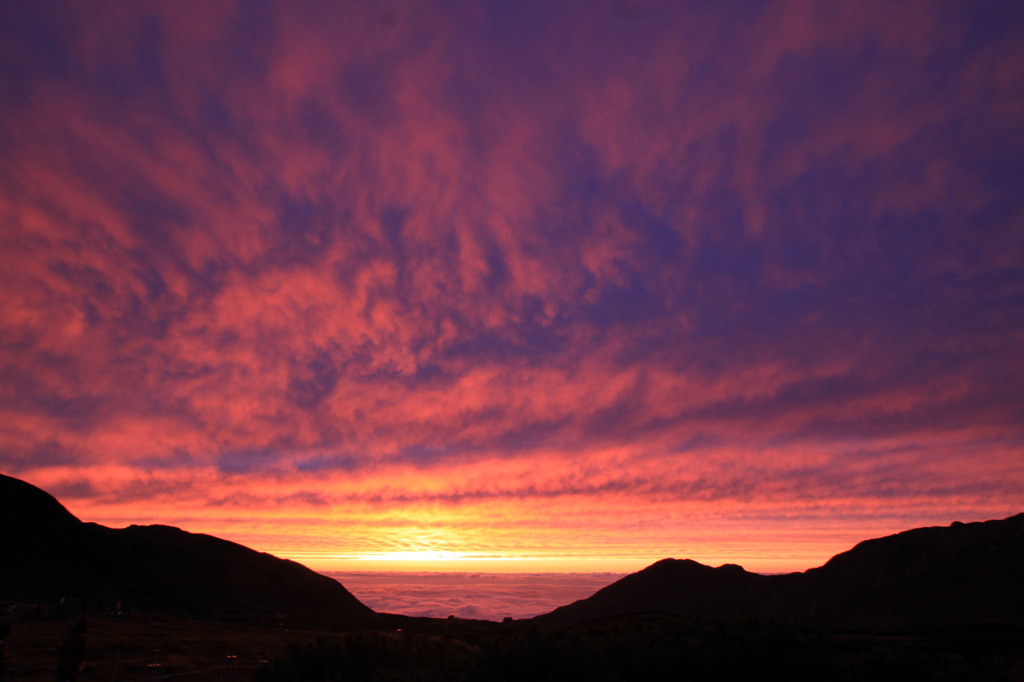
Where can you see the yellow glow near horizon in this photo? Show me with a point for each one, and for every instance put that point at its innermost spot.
(415, 556)
(431, 561)
(533, 536)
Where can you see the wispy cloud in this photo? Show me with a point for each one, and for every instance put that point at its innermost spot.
(645, 256)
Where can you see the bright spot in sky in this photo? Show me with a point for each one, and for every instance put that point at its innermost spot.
(416, 555)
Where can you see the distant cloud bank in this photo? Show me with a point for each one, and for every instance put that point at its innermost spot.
(486, 596)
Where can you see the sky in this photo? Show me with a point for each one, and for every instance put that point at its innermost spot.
(538, 286)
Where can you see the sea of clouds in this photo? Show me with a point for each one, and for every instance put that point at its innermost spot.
(488, 596)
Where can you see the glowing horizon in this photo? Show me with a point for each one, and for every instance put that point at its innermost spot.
(447, 542)
(515, 284)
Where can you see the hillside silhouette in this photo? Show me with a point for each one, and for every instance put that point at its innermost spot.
(963, 575)
(960, 576)
(50, 555)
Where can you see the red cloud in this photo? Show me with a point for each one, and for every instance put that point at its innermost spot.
(673, 266)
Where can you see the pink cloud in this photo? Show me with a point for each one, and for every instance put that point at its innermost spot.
(664, 261)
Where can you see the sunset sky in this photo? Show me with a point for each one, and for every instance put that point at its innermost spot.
(515, 285)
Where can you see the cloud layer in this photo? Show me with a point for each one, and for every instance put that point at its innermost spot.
(486, 596)
(520, 278)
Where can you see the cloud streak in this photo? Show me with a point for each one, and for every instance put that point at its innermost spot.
(444, 260)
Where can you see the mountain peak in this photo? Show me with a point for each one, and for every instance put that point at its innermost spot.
(31, 512)
(965, 574)
(151, 567)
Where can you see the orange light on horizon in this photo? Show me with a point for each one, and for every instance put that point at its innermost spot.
(467, 562)
(389, 521)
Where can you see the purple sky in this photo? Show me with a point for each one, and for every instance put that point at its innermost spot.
(738, 281)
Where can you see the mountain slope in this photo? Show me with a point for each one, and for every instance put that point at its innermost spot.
(51, 554)
(960, 576)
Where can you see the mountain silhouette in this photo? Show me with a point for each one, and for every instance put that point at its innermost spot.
(961, 576)
(48, 554)
(966, 575)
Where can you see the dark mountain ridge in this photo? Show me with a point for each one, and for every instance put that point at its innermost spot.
(964, 575)
(960, 576)
(49, 554)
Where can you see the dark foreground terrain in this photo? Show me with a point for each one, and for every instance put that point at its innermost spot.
(654, 647)
(636, 647)
(944, 603)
